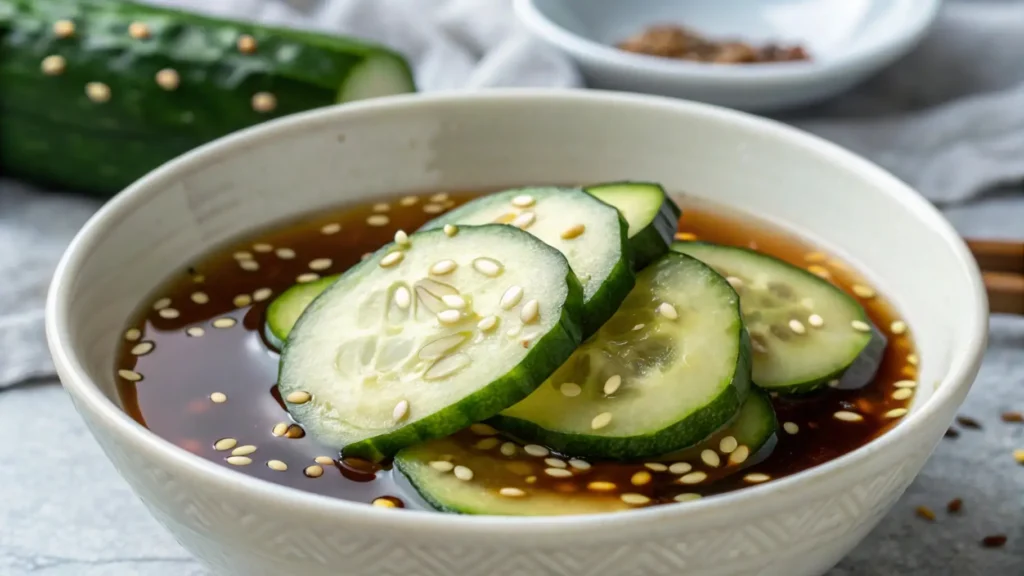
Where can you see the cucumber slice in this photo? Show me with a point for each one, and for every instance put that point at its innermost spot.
(777, 297)
(591, 234)
(646, 383)
(421, 340)
(285, 310)
(439, 486)
(651, 215)
(753, 427)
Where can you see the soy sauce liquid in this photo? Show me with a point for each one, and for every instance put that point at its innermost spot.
(185, 367)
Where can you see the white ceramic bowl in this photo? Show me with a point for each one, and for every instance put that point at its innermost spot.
(795, 526)
(848, 39)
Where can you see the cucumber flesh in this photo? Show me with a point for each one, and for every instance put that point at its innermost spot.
(598, 252)
(754, 427)
(380, 74)
(421, 340)
(665, 383)
(833, 337)
(651, 215)
(285, 310)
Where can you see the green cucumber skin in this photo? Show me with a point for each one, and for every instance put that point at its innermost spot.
(549, 352)
(755, 440)
(303, 70)
(276, 335)
(857, 374)
(683, 433)
(605, 302)
(653, 241)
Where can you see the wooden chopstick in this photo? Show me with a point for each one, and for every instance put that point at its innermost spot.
(1002, 268)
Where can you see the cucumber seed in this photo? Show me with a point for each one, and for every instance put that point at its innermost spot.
(439, 197)
(200, 298)
(401, 238)
(449, 316)
(524, 220)
(487, 443)
(391, 259)
(381, 207)
(403, 299)
(573, 232)
(612, 385)
(523, 201)
(64, 28)
(511, 297)
(261, 294)
(912, 359)
(601, 420)
(860, 326)
(285, 253)
(570, 389)
(815, 321)
(401, 410)
(735, 282)
(242, 300)
(138, 30)
(443, 267)
(488, 267)
(280, 429)
(482, 429)
(905, 384)
(530, 312)
(324, 460)
(454, 301)
(433, 208)
(487, 323)
(668, 311)
(687, 497)
(579, 464)
(512, 492)
(819, 271)
(797, 327)
(249, 265)
(450, 230)
(161, 304)
(408, 200)
(277, 465)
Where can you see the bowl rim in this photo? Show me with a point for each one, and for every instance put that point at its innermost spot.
(582, 47)
(89, 397)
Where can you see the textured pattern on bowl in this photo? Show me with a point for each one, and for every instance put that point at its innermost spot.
(238, 525)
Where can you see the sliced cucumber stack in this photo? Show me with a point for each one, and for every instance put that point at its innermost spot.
(651, 215)
(804, 331)
(425, 338)
(591, 234)
(670, 368)
(285, 310)
(751, 430)
(498, 485)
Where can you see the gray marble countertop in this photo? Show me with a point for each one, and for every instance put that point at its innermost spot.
(64, 511)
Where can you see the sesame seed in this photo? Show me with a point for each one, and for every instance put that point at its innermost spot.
(129, 375)
(401, 410)
(199, 297)
(262, 294)
(285, 253)
(898, 327)
(487, 443)
(833, 383)
(558, 472)
(508, 449)
(218, 397)
(523, 201)
(63, 28)
(463, 473)
(860, 326)
(635, 499)
(239, 460)
(693, 478)
(314, 471)
(573, 232)
(711, 458)
(680, 468)
(142, 348)
(53, 65)
(668, 311)
(656, 466)
(735, 282)
(739, 455)
(847, 416)
(482, 429)
(161, 304)
(246, 44)
(325, 460)
(687, 497)
(277, 465)
(757, 478)
(391, 259)
(815, 257)
(168, 79)
(132, 334)
(243, 450)
(579, 464)
(1018, 455)
(242, 300)
(902, 393)
(912, 359)
(433, 208)
(612, 384)
(512, 492)
(862, 291)
(530, 312)
(401, 238)
(138, 30)
(524, 220)
(487, 323)
(264, 102)
(994, 541)
(249, 265)
(536, 450)
(570, 389)
(408, 200)
(954, 505)
(1012, 417)
(685, 236)
(819, 271)
(511, 297)
(262, 247)
(450, 230)
(323, 263)
(728, 445)
(791, 427)
(224, 322)
(640, 478)
(439, 197)
(601, 420)
(298, 397)
(442, 466)
(295, 431)
(378, 220)
(443, 267)
(280, 429)
(601, 486)
(383, 503)
(797, 327)
(449, 316)
(381, 207)
(225, 444)
(896, 413)
(555, 463)
(307, 277)
(815, 321)
(925, 512)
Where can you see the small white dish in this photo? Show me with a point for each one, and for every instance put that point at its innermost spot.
(848, 40)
